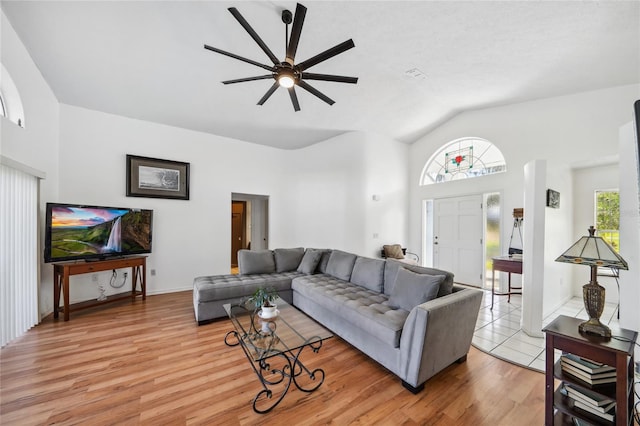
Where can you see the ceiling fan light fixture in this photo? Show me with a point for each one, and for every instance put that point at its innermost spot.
(286, 80)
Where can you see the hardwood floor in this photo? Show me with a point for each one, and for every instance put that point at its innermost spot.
(149, 363)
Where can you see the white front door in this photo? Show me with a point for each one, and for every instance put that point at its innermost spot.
(457, 238)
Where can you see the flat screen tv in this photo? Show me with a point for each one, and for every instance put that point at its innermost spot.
(75, 231)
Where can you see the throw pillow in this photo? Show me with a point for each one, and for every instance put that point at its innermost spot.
(310, 261)
(341, 264)
(288, 259)
(256, 262)
(393, 251)
(411, 289)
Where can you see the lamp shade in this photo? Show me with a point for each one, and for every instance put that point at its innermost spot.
(593, 251)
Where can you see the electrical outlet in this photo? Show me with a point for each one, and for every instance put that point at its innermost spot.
(125, 275)
(375, 235)
(153, 272)
(94, 278)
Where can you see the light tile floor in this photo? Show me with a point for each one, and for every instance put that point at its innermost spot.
(498, 331)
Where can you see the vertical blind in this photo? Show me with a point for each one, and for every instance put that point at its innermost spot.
(18, 252)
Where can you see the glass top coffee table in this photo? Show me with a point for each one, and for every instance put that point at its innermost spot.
(274, 342)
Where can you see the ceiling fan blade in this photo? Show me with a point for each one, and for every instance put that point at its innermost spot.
(327, 54)
(298, 20)
(314, 91)
(328, 77)
(294, 98)
(240, 58)
(253, 34)
(242, 80)
(269, 93)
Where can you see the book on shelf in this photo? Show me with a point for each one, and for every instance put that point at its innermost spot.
(592, 410)
(592, 379)
(588, 397)
(580, 422)
(585, 364)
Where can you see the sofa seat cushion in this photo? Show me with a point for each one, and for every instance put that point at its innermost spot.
(223, 287)
(368, 310)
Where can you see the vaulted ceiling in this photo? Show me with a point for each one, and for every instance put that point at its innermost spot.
(418, 63)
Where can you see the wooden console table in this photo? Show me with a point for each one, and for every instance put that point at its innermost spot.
(509, 265)
(62, 272)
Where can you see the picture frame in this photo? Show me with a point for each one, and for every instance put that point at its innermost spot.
(553, 199)
(157, 178)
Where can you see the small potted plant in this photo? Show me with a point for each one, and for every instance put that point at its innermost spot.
(263, 299)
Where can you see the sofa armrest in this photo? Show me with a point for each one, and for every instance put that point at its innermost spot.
(438, 333)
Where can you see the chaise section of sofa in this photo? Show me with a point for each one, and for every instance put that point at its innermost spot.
(258, 268)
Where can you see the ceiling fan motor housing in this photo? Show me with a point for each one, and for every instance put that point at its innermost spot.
(287, 16)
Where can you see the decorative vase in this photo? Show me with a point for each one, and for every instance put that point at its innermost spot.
(269, 311)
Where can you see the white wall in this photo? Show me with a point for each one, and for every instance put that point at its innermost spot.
(562, 130)
(35, 145)
(190, 238)
(586, 181)
(331, 188)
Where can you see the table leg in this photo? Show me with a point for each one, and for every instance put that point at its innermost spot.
(509, 291)
(66, 296)
(280, 378)
(549, 383)
(57, 280)
(493, 284)
(143, 281)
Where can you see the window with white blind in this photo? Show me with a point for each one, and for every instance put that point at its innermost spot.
(18, 252)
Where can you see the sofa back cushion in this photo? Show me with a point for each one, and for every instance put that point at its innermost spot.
(310, 261)
(391, 271)
(368, 273)
(341, 264)
(324, 261)
(288, 259)
(256, 262)
(412, 289)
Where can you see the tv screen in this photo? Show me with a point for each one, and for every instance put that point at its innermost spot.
(74, 231)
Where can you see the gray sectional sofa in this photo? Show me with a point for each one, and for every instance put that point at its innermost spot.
(412, 320)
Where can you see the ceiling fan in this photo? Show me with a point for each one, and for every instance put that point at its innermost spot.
(287, 73)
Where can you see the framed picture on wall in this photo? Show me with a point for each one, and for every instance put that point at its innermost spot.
(553, 199)
(156, 178)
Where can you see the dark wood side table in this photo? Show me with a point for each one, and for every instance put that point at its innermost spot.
(509, 265)
(563, 334)
(62, 272)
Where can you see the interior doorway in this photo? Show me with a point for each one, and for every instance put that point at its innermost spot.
(238, 230)
(249, 224)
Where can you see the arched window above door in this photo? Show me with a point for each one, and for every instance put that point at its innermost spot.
(462, 159)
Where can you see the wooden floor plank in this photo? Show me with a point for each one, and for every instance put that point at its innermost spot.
(148, 362)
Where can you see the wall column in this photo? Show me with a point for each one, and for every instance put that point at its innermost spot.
(535, 173)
